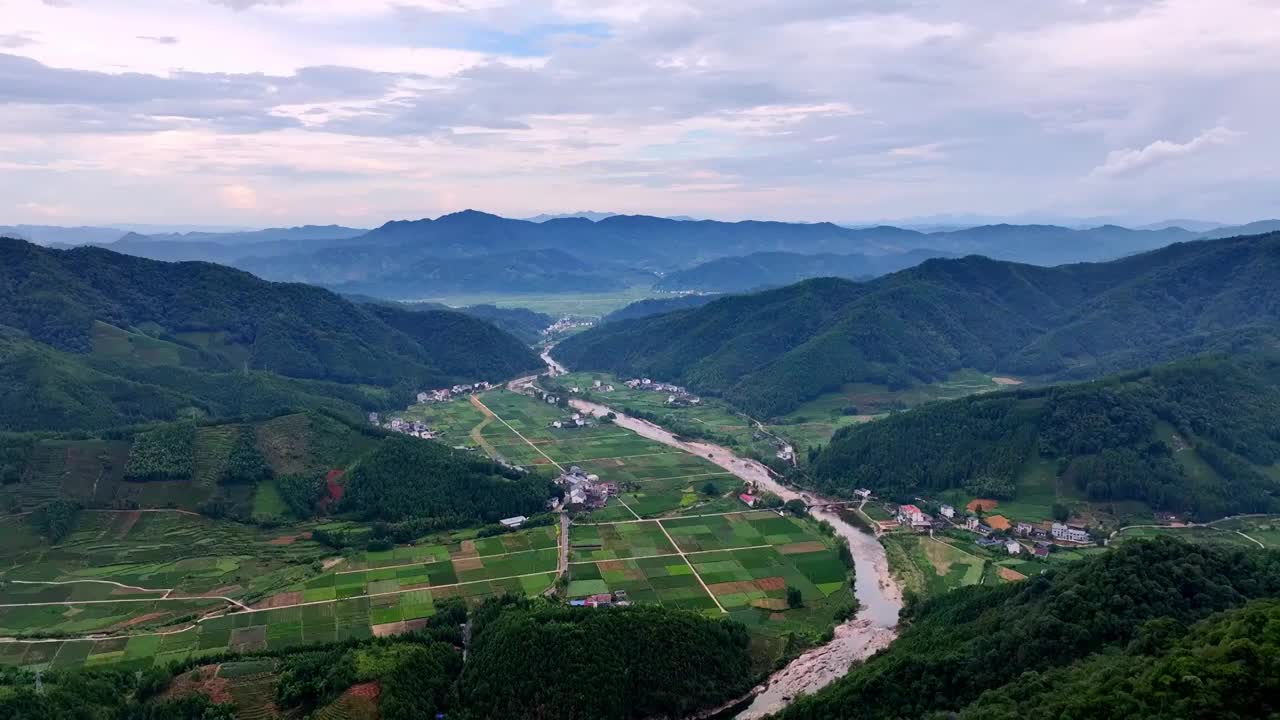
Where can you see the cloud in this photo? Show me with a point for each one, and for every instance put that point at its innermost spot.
(45, 210)
(239, 5)
(56, 3)
(238, 197)
(13, 41)
(160, 39)
(1131, 161)
(808, 109)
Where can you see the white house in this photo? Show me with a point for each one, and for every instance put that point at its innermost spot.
(513, 522)
(1070, 533)
(862, 493)
(1013, 547)
(947, 511)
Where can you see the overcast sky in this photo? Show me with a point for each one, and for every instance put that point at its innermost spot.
(275, 112)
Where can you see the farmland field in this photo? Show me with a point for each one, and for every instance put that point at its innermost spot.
(738, 563)
(928, 566)
(653, 479)
(171, 586)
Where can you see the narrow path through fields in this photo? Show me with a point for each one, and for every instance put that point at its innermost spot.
(692, 569)
(564, 519)
(485, 409)
(164, 598)
(477, 432)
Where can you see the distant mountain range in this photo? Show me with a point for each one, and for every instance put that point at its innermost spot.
(771, 351)
(475, 252)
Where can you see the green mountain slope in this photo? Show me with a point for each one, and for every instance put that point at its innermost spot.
(271, 467)
(772, 269)
(771, 351)
(1010, 640)
(141, 313)
(1199, 436)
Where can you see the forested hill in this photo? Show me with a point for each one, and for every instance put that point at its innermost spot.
(1199, 436)
(1109, 637)
(771, 351)
(760, 270)
(93, 301)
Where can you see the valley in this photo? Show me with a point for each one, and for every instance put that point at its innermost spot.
(300, 509)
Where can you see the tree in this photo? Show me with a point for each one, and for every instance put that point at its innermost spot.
(794, 598)
(710, 489)
(1061, 512)
(796, 507)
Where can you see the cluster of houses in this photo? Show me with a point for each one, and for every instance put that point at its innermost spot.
(575, 420)
(404, 427)
(995, 530)
(583, 491)
(677, 395)
(567, 324)
(446, 394)
(614, 599)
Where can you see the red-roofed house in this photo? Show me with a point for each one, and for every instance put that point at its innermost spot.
(914, 517)
(748, 498)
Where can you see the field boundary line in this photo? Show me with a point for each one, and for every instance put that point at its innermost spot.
(96, 638)
(1255, 540)
(674, 554)
(448, 559)
(629, 457)
(51, 603)
(677, 517)
(381, 594)
(628, 507)
(480, 404)
(100, 582)
(692, 569)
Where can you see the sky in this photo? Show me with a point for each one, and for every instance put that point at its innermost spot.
(282, 112)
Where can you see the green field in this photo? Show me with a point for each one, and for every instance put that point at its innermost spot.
(653, 479)
(927, 566)
(558, 304)
(741, 562)
(172, 564)
(712, 419)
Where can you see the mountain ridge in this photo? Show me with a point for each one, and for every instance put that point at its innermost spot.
(768, 352)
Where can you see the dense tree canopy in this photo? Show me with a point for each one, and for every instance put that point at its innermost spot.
(1226, 667)
(1105, 435)
(978, 639)
(603, 664)
(406, 477)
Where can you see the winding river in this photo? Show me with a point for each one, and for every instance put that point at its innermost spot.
(875, 625)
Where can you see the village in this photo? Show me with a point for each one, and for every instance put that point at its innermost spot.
(417, 429)
(994, 532)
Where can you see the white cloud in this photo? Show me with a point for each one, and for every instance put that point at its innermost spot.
(48, 211)
(238, 197)
(806, 109)
(1130, 161)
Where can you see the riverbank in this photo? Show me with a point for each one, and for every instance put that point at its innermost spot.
(872, 629)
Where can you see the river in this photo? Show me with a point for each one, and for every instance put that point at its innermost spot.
(875, 625)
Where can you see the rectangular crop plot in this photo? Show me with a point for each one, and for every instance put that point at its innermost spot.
(623, 540)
